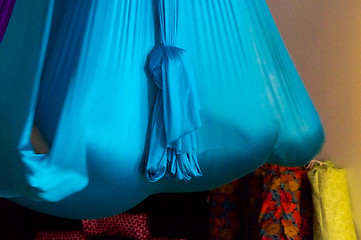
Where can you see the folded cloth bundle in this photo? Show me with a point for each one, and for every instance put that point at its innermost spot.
(332, 208)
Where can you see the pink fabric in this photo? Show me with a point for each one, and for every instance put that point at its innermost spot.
(126, 225)
(69, 235)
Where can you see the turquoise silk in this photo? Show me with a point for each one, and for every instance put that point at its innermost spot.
(176, 114)
(137, 97)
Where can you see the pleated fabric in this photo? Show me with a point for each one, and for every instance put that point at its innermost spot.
(129, 92)
(6, 8)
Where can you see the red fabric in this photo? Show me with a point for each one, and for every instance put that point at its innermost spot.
(126, 225)
(281, 216)
(273, 203)
(134, 226)
(306, 209)
(70, 235)
(225, 212)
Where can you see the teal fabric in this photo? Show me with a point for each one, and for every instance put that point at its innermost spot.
(176, 114)
(135, 97)
(6, 8)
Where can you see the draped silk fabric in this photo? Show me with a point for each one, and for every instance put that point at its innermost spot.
(176, 113)
(123, 98)
(6, 8)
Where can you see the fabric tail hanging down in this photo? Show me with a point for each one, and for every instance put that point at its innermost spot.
(6, 8)
(52, 176)
(176, 113)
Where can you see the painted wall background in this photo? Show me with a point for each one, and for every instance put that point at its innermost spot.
(324, 40)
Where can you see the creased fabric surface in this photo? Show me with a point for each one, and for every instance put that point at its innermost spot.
(330, 195)
(79, 70)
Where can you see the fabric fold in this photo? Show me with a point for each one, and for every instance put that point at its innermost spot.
(176, 113)
(60, 173)
(6, 9)
(176, 116)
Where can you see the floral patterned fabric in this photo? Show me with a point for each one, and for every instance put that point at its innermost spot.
(273, 203)
(280, 216)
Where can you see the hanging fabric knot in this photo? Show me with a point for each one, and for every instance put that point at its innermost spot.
(173, 143)
(155, 65)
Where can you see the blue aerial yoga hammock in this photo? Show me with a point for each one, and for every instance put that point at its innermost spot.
(176, 114)
(140, 97)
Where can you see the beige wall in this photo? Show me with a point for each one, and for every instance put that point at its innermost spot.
(324, 40)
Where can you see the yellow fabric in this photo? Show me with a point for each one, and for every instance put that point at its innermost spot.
(332, 208)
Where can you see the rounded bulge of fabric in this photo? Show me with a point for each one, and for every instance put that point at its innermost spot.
(237, 135)
(240, 131)
(297, 147)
